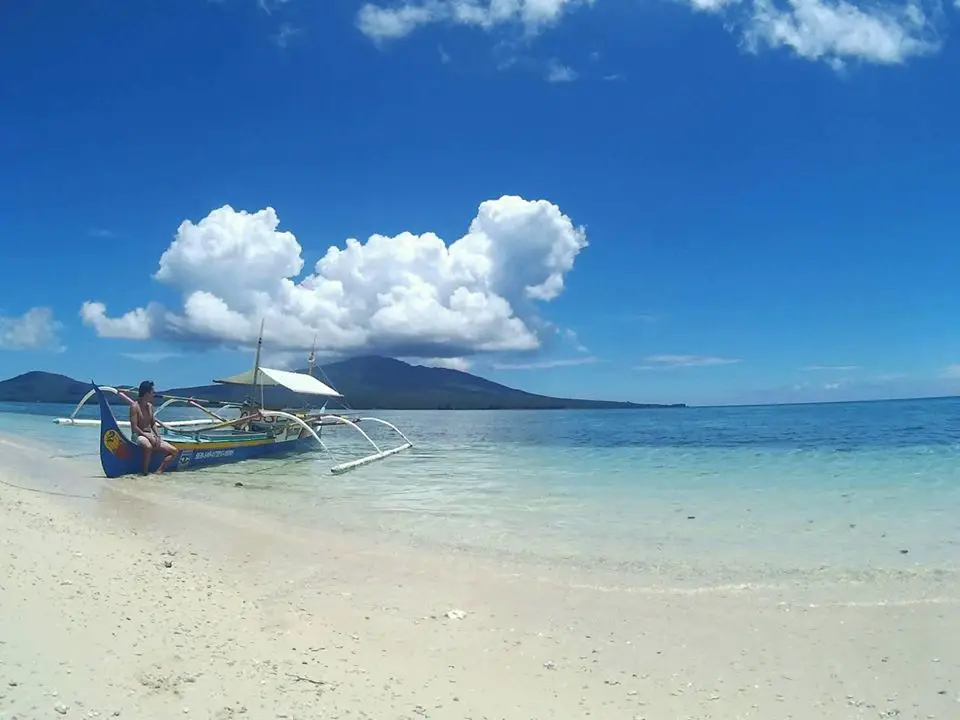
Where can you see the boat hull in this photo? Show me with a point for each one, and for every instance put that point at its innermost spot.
(120, 456)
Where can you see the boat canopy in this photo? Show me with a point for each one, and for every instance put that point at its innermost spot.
(296, 382)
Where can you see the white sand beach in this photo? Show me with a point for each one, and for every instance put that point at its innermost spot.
(138, 604)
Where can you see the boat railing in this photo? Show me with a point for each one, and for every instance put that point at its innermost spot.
(174, 424)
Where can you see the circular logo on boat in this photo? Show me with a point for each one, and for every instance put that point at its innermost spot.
(113, 442)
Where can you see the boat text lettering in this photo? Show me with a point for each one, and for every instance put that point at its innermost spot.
(211, 454)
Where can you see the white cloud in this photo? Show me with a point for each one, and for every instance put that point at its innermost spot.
(408, 295)
(836, 30)
(827, 386)
(454, 363)
(150, 357)
(871, 387)
(268, 6)
(398, 20)
(711, 5)
(831, 368)
(833, 31)
(547, 364)
(667, 362)
(34, 330)
(284, 34)
(284, 359)
(558, 73)
(134, 325)
(380, 23)
(951, 372)
(574, 339)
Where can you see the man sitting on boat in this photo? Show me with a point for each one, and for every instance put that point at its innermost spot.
(249, 413)
(143, 427)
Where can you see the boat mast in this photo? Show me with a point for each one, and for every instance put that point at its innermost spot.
(312, 363)
(256, 365)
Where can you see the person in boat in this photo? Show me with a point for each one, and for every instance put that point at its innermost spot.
(144, 428)
(250, 412)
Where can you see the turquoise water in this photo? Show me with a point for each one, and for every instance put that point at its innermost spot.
(733, 493)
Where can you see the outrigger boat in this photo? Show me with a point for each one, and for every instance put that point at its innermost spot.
(124, 392)
(257, 433)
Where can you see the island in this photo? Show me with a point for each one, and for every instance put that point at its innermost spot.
(367, 383)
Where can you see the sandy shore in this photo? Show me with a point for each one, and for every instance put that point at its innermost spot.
(137, 604)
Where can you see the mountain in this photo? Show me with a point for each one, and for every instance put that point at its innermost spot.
(366, 382)
(371, 381)
(39, 386)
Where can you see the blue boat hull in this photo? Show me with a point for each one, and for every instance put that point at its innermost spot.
(120, 456)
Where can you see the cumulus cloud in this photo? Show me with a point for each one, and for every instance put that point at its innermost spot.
(36, 329)
(667, 362)
(134, 325)
(380, 22)
(408, 295)
(832, 31)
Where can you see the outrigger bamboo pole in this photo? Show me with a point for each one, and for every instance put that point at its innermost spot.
(201, 408)
(227, 423)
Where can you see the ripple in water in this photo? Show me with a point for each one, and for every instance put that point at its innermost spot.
(774, 491)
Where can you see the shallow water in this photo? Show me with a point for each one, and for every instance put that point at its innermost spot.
(722, 494)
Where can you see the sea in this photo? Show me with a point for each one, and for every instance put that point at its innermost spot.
(842, 490)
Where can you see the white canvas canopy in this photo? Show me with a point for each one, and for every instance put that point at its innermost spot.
(296, 382)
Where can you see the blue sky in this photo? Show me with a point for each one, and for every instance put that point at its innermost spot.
(695, 201)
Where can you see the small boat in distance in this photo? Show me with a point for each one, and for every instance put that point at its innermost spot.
(258, 432)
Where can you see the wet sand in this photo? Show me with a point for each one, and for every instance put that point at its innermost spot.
(131, 602)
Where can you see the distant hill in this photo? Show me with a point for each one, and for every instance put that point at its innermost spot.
(381, 382)
(367, 382)
(46, 387)
(38, 386)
